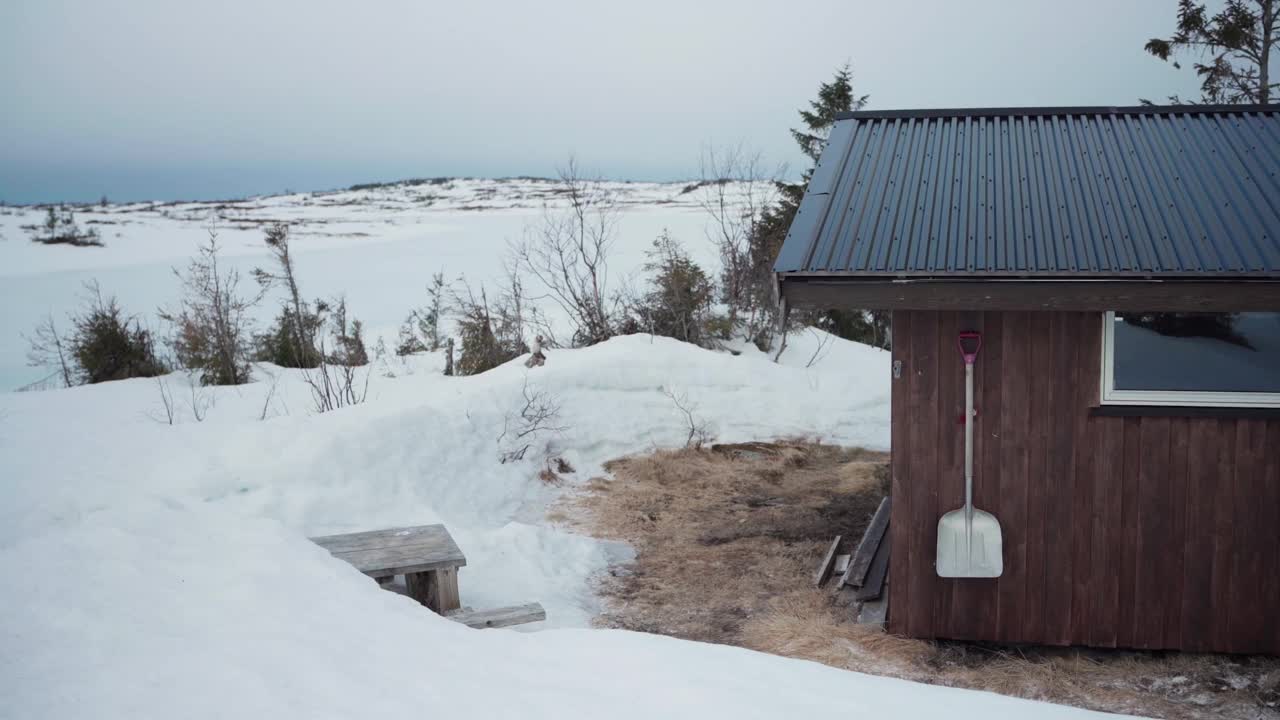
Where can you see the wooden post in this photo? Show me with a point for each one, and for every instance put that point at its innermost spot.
(448, 357)
(437, 589)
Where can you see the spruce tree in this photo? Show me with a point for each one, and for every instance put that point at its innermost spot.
(834, 97)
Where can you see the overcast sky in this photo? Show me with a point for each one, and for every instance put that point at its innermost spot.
(165, 100)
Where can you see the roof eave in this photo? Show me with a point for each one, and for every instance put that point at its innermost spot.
(1073, 293)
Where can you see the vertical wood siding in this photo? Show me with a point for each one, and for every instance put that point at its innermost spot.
(1134, 532)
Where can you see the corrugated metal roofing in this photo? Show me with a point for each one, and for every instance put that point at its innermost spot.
(1191, 191)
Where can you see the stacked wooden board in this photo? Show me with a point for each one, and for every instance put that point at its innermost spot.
(862, 575)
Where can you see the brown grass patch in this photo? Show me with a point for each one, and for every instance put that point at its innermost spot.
(726, 543)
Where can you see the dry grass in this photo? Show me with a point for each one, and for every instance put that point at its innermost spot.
(726, 543)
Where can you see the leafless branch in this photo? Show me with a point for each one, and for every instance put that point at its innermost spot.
(568, 254)
(537, 416)
(824, 339)
(166, 401)
(700, 432)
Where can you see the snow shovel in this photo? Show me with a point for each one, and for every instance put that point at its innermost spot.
(969, 542)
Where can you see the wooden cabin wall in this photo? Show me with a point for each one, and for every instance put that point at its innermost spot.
(1138, 532)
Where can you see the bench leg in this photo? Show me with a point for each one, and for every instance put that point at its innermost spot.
(437, 589)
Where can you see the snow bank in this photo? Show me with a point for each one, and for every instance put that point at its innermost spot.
(198, 613)
(153, 569)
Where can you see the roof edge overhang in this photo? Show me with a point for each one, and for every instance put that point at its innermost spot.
(1061, 110)
(1168, 294)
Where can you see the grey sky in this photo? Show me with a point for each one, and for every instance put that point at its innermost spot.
(164, 99)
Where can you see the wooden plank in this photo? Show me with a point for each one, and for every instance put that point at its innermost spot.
(1014, 435)
(876, 575)
(922, 521)
(856, 573)
(874, 612)
(1127, 547)
(1197, 570)
(499, 617)
(900, 468)
(1105, 545)
(824, 568)
(1248, 605)
(948, 468)
(1151, 585)
(388, 537)
(1269, 537)
(982, 599)
(1040, 400)
(1179, 435)
(1060, 466)
(1223, 607)
(437, 589)
(1087, 444)
(949, 472)
(396, 551)
(379, 562)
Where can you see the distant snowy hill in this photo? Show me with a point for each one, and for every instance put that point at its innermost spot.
(378, 245)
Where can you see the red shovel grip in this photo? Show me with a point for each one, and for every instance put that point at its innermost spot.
(970, 343)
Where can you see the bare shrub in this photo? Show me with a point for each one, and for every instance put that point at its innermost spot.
(536, 417)
(211, 324)
(734, 191)
(48, 348)
(568, 255)
(166, 414)
(270, 395)
(199, 401)
(700, 432)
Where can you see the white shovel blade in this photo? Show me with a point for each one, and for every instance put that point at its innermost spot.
(975, 551)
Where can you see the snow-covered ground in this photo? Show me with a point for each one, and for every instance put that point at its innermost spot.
(379, 246)
(150, 569)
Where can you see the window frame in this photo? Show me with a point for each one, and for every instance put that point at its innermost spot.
(1192, 398)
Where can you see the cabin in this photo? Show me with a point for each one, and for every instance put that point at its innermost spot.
(1121, 267)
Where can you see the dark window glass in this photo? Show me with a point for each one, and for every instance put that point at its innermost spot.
(1207, 352)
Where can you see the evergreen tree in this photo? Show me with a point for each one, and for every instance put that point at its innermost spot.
(1236, 44)
(678, 303)
(834, 97)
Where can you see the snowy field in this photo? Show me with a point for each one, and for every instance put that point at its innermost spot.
(379, 246)
(162, 570)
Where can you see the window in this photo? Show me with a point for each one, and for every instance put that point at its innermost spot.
(1214, 359)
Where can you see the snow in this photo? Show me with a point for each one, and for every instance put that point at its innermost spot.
(378, 246)
(155, 569)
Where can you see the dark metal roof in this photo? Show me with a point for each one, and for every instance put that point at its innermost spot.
(1188, 191)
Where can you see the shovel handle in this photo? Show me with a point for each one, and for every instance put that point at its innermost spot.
(969, 342)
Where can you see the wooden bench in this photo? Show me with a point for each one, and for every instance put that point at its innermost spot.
(499, 617)
(425, 555)
(429, 559)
